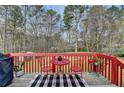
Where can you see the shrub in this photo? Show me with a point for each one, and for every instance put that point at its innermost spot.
(119, 53)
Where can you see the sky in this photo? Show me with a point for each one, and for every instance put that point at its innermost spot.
(58, 8)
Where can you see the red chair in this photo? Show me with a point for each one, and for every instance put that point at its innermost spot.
(91, 64)
(76, 68)
(91, 61)
(45, 67)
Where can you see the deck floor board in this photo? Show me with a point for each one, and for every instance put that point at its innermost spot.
(91, 80)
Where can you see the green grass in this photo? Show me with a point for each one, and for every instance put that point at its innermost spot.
(119, 53)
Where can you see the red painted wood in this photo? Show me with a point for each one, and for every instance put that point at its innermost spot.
(33, 63)
(82, 58)
(102, 66)
(91, 68)
(105, 67)
(70, 64)
(85, 63)
(117, 75)
(38, 64)
(112, 74)
(120, 76)
(116, 71)
(26, 64)
(109, 70)
(29, 65)
(80, 62)
(55, 67)
(88, 67)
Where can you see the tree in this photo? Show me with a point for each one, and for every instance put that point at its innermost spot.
(4, 11)
(15, 23)
(72, 19)
(115, 19)
(50, 23)
(101, 27)
(35, 19)
(37, 29)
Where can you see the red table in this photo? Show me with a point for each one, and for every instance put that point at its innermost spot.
(59, 63)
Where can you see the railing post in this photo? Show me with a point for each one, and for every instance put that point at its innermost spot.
(116, 74)
(112, 73)
(88, 67)
(53, 66)
(115, 71)
(109, 70)
(120, 76)
(85, 62)
(105, 66)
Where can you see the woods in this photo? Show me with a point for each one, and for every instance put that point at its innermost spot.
(38, 29)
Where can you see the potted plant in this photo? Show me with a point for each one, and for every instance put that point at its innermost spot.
(93, 59)
(97, 62)
(59, 58)
(18, 69)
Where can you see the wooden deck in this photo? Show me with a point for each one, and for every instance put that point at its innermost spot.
(110, 66)
(91, 79)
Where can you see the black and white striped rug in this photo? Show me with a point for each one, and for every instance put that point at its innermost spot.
(57, 81)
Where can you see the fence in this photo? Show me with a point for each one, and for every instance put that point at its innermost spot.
(109, 66)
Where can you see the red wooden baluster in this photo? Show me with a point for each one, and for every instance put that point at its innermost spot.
(117, 75)
(80, 65)
(53, 66)
(120, 76)
(66, 70)
(37, 62)
(47, 64)
(29, 65)
(36, 57)
(112, 73)
(71, 63)
(114, 70)
(102, 65)
(63, 67)
(26, 65)
(109, 70)
(88, 66)
(85, 63)
(68, 65)
(44, 62)
(82, 60)
(32, 61)
(74, 62)
(41, 64)
(106, 67)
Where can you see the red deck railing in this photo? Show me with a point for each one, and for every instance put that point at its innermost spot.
(110, 67)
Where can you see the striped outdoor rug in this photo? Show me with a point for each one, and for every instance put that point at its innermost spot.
(57, 81)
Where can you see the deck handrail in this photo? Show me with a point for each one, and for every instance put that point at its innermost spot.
(112, 68)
